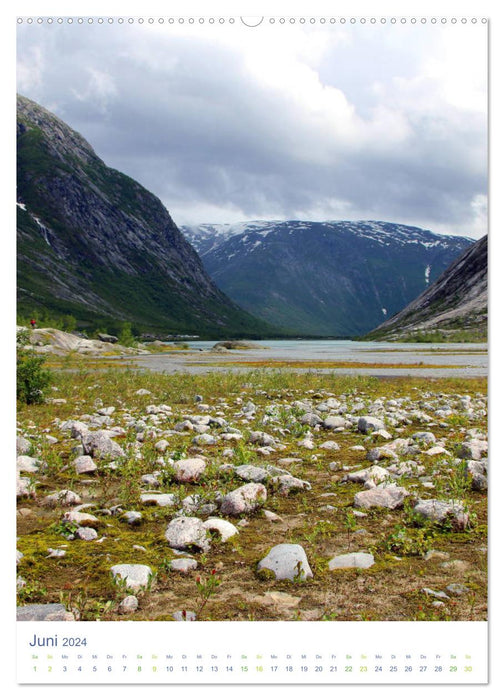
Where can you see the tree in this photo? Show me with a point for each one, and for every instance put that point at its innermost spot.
(32, 379)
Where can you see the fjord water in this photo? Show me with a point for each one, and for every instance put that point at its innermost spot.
(451, 359)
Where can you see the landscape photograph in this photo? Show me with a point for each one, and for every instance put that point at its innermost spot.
(252, 319)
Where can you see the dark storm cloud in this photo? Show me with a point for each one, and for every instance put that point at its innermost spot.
(312, 125)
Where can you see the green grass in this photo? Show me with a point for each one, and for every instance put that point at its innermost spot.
(390, 590)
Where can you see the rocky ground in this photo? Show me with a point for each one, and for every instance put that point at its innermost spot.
(254, 497)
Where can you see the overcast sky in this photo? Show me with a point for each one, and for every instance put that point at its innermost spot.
(319, 122)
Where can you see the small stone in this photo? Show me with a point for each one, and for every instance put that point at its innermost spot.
(132, 517)
(245, 499)
(311, 419)
(80, 518)
(204, 439)
(436, 450)
(84, 465)
(86, 533)
(226, 530)
(23, 446)
(435, 594)
(367, 424)
(435, 554)
(99, 444)
(378, 474)
(440, 511)
(184, 616)
(353, 560)
(457, 589)
(128, 605)
(391, 498)
(183, 565)
(55, 553)
(330, 445)
(272, 517)
(159, 499)
(24, 487)
(334, 422)
(188, 470)
(425, 437)
(161, 446)
(64, 497)
(135, 576)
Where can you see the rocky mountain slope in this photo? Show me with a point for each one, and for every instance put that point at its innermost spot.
(457, 301)
(323, 278)
(94, 243)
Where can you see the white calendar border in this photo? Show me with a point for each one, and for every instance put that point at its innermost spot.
(316, 8)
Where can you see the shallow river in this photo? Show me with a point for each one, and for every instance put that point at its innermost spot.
(458, 359)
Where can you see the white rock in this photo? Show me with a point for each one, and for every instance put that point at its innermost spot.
(352, 560)
(287, 561)
(188, 470)
(84, 465)
(223, 527)
(245, 499)
(391, 498)
(183, 565)
(128, 605)
(158, 499)
(187, 533)
(135, 576)
(367, 424)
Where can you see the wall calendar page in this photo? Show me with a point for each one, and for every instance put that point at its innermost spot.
(251, 348)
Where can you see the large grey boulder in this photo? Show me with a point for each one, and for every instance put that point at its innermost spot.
(442, 511)
(84, 465)
(187, 533)
(188, 470)
(391, 498)
(99, 444)
(333, 422)
(368, 424)
(286, 561)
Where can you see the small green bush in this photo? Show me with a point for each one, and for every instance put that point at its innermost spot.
(126, 336)
(32, 379)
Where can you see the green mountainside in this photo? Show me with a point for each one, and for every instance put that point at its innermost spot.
(332, 278)
(95, 244)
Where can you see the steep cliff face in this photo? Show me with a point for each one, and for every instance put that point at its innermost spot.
(457, 301)
(94, 243)
(323, 278)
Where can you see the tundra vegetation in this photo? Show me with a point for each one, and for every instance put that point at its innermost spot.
(192, 480)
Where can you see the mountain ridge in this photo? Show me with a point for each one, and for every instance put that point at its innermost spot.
(457, 302)
(94, 243)
(332, 278)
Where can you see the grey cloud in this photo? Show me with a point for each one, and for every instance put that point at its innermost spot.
(184, 117)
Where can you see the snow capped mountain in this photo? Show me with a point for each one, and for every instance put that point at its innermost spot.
(323, 278)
